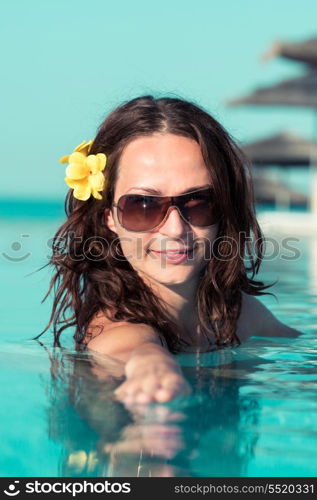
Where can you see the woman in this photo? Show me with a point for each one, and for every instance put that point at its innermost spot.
(160, 222)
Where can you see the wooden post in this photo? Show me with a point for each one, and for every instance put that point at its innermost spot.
(313, 169)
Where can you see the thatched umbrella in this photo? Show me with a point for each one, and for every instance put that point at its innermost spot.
(305, 52)
(275, 192)
(285, 149)
(300, 92)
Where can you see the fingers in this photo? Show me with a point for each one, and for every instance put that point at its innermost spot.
(151, 389)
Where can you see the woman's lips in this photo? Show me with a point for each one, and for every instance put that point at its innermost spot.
(174, 256)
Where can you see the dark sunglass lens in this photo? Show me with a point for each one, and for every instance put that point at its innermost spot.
(140, 213)
(200, 209)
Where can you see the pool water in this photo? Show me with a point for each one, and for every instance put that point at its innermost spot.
(252, 412)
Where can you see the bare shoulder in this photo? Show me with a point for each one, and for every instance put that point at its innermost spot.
(98, 325)
(117, 339)
(256, 319)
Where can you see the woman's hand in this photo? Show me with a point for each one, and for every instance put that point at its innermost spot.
(152, 373)
(152, 379)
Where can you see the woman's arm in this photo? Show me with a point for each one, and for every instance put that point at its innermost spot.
(256, 319)
(152, 373)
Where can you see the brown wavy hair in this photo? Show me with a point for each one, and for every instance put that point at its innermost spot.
(89, 278)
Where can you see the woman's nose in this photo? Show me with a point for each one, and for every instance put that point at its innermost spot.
(173, 222)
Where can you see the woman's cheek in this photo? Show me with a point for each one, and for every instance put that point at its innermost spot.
(210, 237)
(133, 248)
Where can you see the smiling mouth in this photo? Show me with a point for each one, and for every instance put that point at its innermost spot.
(181, 250)
(173, 252)
(175, 255)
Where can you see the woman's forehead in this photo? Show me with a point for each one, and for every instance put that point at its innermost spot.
(160, 161)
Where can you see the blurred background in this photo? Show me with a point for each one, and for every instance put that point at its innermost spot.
(66, 64)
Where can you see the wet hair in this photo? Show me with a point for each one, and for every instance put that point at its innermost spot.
(90, 278)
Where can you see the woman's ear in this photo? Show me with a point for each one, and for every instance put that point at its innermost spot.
(108, 219)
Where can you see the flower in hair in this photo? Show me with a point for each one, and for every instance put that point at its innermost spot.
(84, 172)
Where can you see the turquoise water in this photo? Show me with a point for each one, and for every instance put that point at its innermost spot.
(252, 412)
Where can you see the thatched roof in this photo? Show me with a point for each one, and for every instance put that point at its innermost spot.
(300, 91)
(269, 191)
(285, 149)
(305, 52)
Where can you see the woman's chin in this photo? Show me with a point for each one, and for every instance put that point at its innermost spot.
(173, 276)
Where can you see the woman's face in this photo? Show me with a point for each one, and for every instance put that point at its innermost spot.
(171, 165)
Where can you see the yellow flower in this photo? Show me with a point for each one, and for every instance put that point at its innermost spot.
(78, 460)
(84, 172)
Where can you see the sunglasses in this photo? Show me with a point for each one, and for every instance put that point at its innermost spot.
(141, 213)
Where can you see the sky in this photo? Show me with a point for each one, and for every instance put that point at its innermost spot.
(67, 63)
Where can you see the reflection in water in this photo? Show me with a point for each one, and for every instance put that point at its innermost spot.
(206, 434)
(313, 263)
